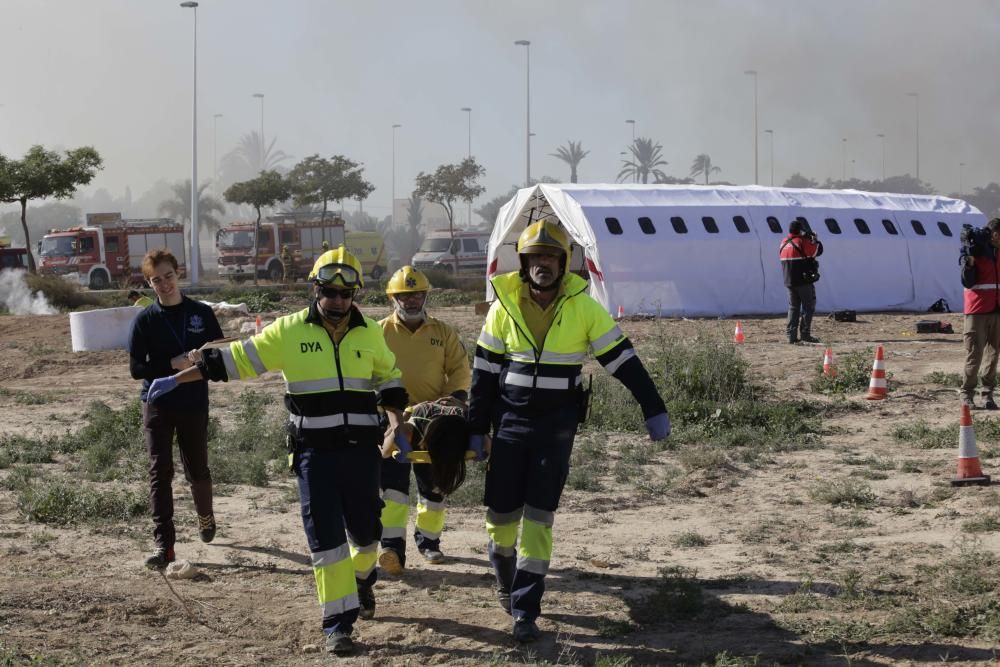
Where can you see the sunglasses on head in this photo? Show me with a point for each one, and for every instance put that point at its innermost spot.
(332, 292)
(347, 275)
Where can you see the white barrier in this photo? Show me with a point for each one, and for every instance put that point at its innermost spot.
(105, 329)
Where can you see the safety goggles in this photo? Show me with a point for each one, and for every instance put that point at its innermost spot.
(348, 275)
(333, 292)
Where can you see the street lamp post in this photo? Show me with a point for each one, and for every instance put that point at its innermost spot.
(843, 169)
(468, 111)
(215, 150)
(916, 112)
(753, 73)
(392, 208)
(260, 96)
(771, 161)
(881, 136)
(195, 263)
(527, 86)
(961, 179)
(632, 123)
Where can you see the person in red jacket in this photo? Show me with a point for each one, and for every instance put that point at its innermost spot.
(981, 280)
(798, 253)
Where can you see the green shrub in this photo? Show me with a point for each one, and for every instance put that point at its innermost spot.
(65, 503)
(254, 447)
(843, 493)
(920, 434)
(19, 449)
(853, 373)
(677, 595)
(63, 294)
(953, 380)
(110, 443)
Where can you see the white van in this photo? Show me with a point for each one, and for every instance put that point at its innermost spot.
(437, 252)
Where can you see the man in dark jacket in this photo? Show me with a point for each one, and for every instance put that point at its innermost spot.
(162, 335)
(798, 253)
(981, 280)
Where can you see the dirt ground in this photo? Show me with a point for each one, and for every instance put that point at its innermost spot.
(82, 596)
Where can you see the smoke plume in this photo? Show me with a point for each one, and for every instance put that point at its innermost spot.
(18, 299)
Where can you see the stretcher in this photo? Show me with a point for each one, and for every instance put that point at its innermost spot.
(421, 456)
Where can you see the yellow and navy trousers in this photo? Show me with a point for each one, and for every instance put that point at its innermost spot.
(395, 514)
(527, 470)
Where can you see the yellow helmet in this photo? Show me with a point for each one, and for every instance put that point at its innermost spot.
(337, 263)
(406, 280)
(543, 237)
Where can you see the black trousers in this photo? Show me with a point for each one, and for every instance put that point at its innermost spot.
(801, 298)
(159, 425)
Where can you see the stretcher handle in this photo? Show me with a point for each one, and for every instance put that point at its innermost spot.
(425, 456)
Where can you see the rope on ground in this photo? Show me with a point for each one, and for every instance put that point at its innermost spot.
(193, 616)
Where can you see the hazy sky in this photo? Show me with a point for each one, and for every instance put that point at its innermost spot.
(336, 76)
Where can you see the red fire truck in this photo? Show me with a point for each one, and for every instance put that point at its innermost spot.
(303, 234)
(108, 249)
(12, 258)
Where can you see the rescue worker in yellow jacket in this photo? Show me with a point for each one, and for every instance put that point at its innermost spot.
(435, 366)
(527, 389)
(338, 372)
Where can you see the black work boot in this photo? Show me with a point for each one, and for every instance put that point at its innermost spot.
(990, 404)
(160, 558)
(366, 599)
(339, 643)
(503, 596)
(526, 631)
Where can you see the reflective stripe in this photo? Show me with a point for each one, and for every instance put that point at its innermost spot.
(230, 363)
(614, 364)
(563, 357)
(250, 349)
(607, 339)
(496, 519)
(357, 383)
(327, 384)
(340, 606)
(533, 565)
(481, 364)
(542, 517)
(503, 551)
(541, 382)
(489, 340)
(331, 421)
(355, 549)
(392, 532)
(396, 496)
(430, 504)
(992, 286)
(525, 357)
(330, 556)
(429, 533)
(391, 384)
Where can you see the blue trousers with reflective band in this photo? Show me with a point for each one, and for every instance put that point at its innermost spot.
(430, 514)
(525, 476)
(340, 503)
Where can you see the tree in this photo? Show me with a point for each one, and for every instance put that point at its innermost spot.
(797, 180)
(703, 165)
(179, 208)
(317, 180)
(266, 190)
(572, 154)
(249, 158)
(986, 199)
(448, 184)
(42, 174)
(646, 157)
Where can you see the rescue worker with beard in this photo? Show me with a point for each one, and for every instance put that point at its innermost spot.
(527, 388)
(338, 372)
(435, 368)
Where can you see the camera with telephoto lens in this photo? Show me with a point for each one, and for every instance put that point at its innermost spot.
(975, 240)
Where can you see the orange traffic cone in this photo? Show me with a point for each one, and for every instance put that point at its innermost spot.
(738, 336)
(877, 389)
(828, 369)
(969, 470)
(258, 327)
(621, 312)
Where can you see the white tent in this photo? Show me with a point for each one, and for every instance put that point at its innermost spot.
(713, 250)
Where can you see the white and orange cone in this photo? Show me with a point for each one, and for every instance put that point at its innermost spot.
(258, 326)
(877, 388)
(969, 470)
(828, 369)
(621, 312)
(738, 336)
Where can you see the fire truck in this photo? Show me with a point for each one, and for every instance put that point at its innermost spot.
(108, 249)
(303, 234)
(10, 257)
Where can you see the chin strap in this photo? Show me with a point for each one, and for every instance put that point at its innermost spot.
(330, 316)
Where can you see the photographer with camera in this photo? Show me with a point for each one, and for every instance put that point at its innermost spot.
(798, 253)
(980, 263)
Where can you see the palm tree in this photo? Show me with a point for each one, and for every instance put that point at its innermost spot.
(572, 154)
(703, 165)
(249, 158)
(179, 208)
(646, 157)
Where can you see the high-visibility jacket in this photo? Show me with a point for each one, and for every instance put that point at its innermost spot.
(794, 250)
(512, 371)
(333, 390)
(432, 358)
(982, 284)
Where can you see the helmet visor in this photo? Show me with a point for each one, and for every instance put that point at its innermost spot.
(348, 275)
